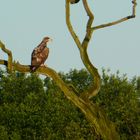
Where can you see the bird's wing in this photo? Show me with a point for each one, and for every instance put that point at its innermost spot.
(39, 49)
(44, 55)
(41, 46)
(35, 54)
(38, 58)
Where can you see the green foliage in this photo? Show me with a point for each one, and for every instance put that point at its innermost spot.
(80, 79)
(29, 111)
(119, 98)
(32, 108)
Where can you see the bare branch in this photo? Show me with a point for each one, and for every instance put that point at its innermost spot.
(120, 20)
(89, 13)
(4, 62)
(68, 22)
(134, 7)
(47, 72)
(9, 53)
(112, 23)
(89, 24)
(70, 94)
(96, 84)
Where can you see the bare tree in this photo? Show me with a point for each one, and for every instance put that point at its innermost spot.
(95, 115)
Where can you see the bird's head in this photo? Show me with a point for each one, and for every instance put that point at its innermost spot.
(46, 40)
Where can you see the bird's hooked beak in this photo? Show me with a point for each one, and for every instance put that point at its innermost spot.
(49, 41)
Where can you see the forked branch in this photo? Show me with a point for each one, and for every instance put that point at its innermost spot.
(95, 85)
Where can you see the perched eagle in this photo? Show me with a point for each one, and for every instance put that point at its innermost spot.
(40, 54)
(74, 1)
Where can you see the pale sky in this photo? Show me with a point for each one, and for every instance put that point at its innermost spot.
(23, 24)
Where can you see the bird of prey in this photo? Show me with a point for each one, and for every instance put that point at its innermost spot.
(74, 1)
(40, 54)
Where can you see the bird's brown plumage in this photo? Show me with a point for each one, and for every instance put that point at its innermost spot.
(39, 54)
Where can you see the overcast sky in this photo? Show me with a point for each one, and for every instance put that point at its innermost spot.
(23, 24)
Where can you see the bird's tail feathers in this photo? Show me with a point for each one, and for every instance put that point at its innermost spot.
(33, 68)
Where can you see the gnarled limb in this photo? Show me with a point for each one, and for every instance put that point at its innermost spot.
(120, 20)
(10, 58)
(95, 86)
